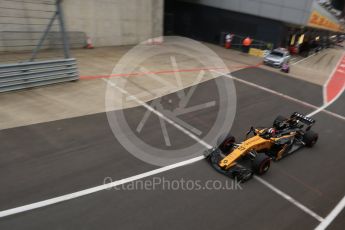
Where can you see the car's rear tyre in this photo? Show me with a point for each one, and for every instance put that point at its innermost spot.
(261, 163)
(310, 138)
(278, 122)
(226, 142)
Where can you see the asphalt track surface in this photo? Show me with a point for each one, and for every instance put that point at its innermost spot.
(46, 160)
(339, 105)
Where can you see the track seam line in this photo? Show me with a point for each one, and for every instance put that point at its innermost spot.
(148, 72)
(81, 193)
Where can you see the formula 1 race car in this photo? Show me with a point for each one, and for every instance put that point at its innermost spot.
(241, 160)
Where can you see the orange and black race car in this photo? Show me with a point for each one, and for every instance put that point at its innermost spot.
(241, 160)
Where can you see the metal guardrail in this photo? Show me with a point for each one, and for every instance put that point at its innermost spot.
(32, 74)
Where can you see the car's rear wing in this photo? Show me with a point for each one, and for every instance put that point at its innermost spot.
(303, 118)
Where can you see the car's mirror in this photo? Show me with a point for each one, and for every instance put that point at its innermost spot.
(251, 130)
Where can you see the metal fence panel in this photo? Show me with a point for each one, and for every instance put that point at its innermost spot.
(30, 26)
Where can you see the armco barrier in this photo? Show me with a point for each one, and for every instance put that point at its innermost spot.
(32, 74)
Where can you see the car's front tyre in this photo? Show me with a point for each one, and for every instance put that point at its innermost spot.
(226, 142)
(261, 163)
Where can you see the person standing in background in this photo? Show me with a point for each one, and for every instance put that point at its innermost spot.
(246, 43)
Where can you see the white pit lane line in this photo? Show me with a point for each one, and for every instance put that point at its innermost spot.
(81, 193)
(332, 215)
(317, 109)
(303, 59)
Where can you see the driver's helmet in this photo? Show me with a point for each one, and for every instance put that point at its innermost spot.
(272, 132)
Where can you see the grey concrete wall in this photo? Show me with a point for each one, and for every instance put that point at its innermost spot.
(290, 11)
(21, 24)
(106, 22)
(115, 22)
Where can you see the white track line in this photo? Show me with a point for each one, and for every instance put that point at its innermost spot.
(159, 114)
(303, 59)
(290, 199)
(81, 193)
(317, 109)
(332, 215)
(147, 174)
